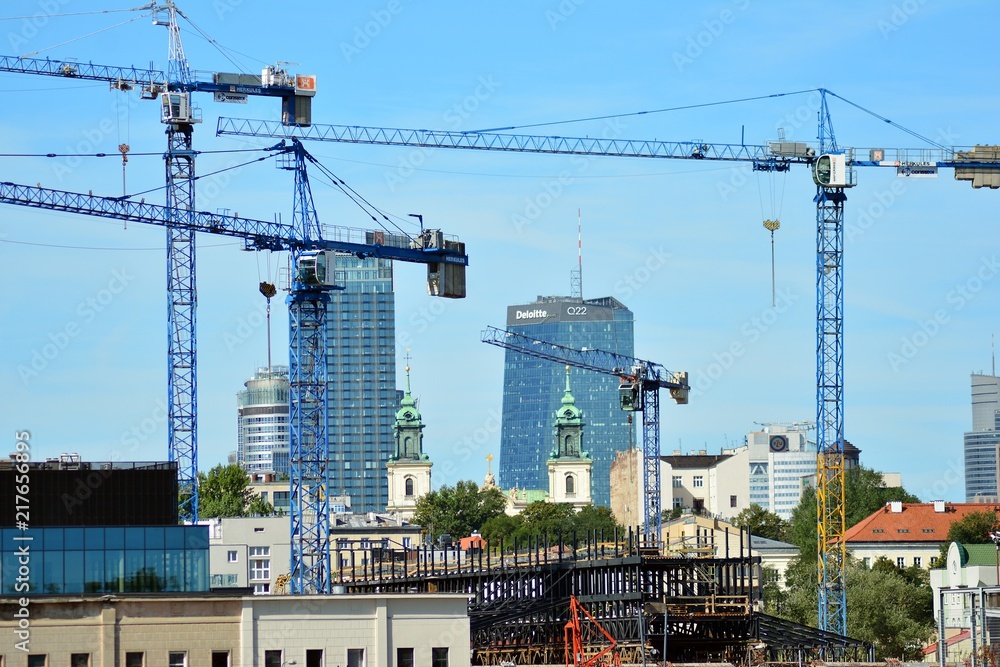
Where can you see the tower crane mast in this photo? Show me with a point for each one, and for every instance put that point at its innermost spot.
(180, 116)
(833, 172)
(639, 391)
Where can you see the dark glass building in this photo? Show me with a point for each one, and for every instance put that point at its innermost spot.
(361, 366)
(533, 389)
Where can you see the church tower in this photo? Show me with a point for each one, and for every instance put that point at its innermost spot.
(569, 465)
(409, 468)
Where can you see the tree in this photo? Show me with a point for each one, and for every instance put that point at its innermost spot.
(762, 523)
(458, 510)
(225, 492)
(886, 605)
(973, 528)
(864, 493)
(596, 520)
(548, 521)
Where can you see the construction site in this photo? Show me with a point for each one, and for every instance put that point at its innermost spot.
(581, 600)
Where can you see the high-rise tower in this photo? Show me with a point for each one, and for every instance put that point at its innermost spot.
(262, 422)
(532, 390)
(361, 356)
(982, 443)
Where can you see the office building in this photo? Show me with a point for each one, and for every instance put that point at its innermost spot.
(532, 390)
(782, 464)
(227, 629)
(361, 358)
(262, 422)
(983, 441)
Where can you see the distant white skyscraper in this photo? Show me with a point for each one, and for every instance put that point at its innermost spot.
(782, 462)
(983, 441)
(262, 422)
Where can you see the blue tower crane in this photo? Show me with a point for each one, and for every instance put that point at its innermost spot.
(179, 115)
(639, 391)
(312, 257)
(833, 172)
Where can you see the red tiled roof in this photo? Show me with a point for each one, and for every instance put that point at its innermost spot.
(918, 522)
(964, 634)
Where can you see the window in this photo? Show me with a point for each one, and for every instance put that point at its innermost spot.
(570, 485)
(314, 657)
(134, 659)
(868, 562)
(699, 481)
(408, 487)
(262, 589)
(439, 657)
(79, 660)
(355, 657)
(177, 659)
(39, 659)
(220, 658)
(732, 501)
(916, 561)
(272, 658)
(677, 481)
(404, 657)
(678, 503)
(232, 556)
(260, 563)
(900, 562)
(258, 530)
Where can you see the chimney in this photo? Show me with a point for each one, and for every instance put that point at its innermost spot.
(939, 506)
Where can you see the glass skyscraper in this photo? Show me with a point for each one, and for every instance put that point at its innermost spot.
(533, 389)
(262, 422)
(361, 381)
(983, 441)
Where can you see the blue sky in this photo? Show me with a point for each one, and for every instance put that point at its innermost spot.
(680, 243)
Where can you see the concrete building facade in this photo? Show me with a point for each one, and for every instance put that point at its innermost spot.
(386, 630)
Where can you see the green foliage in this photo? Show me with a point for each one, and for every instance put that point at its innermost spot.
(762, 523)
(671, 514)
(864, 493)
(225, 492)
(458, 510)
(973, 528)
(550, 521)
(886, 605)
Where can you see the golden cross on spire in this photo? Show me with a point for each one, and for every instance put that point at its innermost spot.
(489, 464)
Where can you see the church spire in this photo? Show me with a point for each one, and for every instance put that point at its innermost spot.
(408, 425)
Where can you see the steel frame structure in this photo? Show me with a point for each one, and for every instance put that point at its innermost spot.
(829, 261)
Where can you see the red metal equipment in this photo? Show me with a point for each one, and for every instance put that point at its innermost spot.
(583, 638)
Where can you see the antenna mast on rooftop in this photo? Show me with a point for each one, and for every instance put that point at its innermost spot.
(576, 275)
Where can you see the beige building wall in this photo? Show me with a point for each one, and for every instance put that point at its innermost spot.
(626, 488)
(245, 627)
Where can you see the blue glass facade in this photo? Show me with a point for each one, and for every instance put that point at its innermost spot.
(104, 559)
(533, 389)
(982, 443)
(361, 349)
